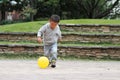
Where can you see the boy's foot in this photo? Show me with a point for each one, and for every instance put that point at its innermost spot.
(49, 63)
(53, 64)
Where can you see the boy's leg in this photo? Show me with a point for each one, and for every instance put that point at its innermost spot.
(53, 56)
(50, 51)
(47, 51)
(53, 52)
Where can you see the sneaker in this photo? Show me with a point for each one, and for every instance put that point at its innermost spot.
(53, 64)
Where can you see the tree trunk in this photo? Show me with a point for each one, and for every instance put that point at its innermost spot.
(106, 12)
(31, 17)
(3, 12)
(32, 6)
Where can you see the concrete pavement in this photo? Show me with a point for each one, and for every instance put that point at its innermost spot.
(65, 70)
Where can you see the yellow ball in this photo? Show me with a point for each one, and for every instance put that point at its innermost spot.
(43, 62)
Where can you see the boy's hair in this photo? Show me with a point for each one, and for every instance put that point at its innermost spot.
(55, 18)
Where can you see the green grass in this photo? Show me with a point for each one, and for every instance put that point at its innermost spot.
(19, 56)
(90, 21)
(34, 26)
(34, 43)
(27, 56)
(19, 43)
(82, 44)
(80, 32)
(22, 27)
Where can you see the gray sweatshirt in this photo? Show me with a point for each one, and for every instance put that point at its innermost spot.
(49, 36)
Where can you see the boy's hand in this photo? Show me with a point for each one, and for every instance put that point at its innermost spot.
(39, 40)
(59, 40)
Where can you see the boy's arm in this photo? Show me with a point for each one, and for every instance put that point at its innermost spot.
(40, 33)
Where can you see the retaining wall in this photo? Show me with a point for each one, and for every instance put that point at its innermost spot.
(90, 28)
(98, 52)
(113, 38)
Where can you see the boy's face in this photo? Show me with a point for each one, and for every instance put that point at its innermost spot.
(53, 24)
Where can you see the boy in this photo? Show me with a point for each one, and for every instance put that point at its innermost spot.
(50, 33)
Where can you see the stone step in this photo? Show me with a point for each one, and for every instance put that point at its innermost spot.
(78, 51)
(90, 28)
(73, 37)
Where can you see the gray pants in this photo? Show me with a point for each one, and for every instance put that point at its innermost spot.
(50, 51)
